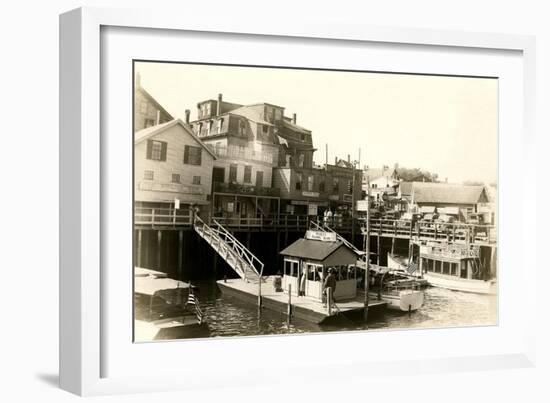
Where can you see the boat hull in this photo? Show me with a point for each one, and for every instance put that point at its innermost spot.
(404, 301)
(462, 284)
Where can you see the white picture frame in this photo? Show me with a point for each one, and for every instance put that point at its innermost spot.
(84, 199)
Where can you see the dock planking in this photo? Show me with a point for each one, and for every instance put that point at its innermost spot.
(304, 308)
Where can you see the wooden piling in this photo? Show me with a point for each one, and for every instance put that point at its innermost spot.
(180, 254)
(159, 249)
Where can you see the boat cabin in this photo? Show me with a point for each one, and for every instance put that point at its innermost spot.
(458, 261)
(307, 261)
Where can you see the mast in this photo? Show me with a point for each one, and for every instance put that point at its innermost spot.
(367, 252)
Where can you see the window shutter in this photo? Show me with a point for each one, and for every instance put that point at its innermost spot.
(163, 151)
(186, 155)
(149, 149)
(199, 158)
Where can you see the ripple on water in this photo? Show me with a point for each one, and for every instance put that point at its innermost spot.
(442, 308)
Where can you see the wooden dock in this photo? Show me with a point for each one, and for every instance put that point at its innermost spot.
(304, 308)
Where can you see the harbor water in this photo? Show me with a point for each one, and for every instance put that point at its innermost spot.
(228, 316)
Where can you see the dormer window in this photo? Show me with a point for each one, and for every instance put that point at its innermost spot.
(242, 127)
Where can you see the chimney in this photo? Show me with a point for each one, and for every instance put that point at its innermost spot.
(158, 117)
(294, 118)
(219, 109)
(187, 113)
(349, 161)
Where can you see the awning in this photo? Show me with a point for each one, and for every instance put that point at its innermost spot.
(427, 209)
(448, 210)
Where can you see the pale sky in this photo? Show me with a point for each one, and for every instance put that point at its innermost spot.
(447, 125)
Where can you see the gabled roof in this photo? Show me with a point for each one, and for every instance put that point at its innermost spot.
(310, 249)
(375, 173)
(406, 188)
(153, 100)
(433, 192)
(149, 132)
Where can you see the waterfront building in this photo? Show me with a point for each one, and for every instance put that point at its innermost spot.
(382, 181)
(245, 142)
(461, 202)
(171, 164)
(147, 111)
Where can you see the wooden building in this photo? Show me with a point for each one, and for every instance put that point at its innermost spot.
(171, 163)
(461, 202)
(307, 260)
(147, 111)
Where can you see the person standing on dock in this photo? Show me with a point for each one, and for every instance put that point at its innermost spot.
(330, 282)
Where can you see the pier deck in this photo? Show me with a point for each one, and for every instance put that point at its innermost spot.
(305, 308)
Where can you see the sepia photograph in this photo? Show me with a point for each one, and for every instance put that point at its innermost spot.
(275, 201)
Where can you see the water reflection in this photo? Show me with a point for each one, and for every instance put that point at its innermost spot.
(442, 308)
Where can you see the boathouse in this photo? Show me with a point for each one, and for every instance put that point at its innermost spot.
(306, 264)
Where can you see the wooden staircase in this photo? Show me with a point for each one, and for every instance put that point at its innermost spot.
(237, 256)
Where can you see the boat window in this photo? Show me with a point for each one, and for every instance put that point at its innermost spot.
(438, 266)
(454, 267)
(426, 265)
(464, 269)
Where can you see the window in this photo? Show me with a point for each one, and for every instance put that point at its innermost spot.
(148, 175)
(208, 108)
(220, 125)
(373, 185)
(199, 129)
(143, 107)
(209, 127)
(156, 150)
(242, 127)
(196, 180)
(303, 137)
(192, 155)
(259, 178)
(310, 183)
(149, 122)
(265, 129)
(232, 173)
(301, 160)
(247, 174)
(322, 186)
(335, 185)
(298, 181)
(176, 178)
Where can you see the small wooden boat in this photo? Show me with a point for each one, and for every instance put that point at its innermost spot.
(165, 308)
(401, 291)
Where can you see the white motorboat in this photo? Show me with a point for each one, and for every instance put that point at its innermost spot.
(454, 267)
